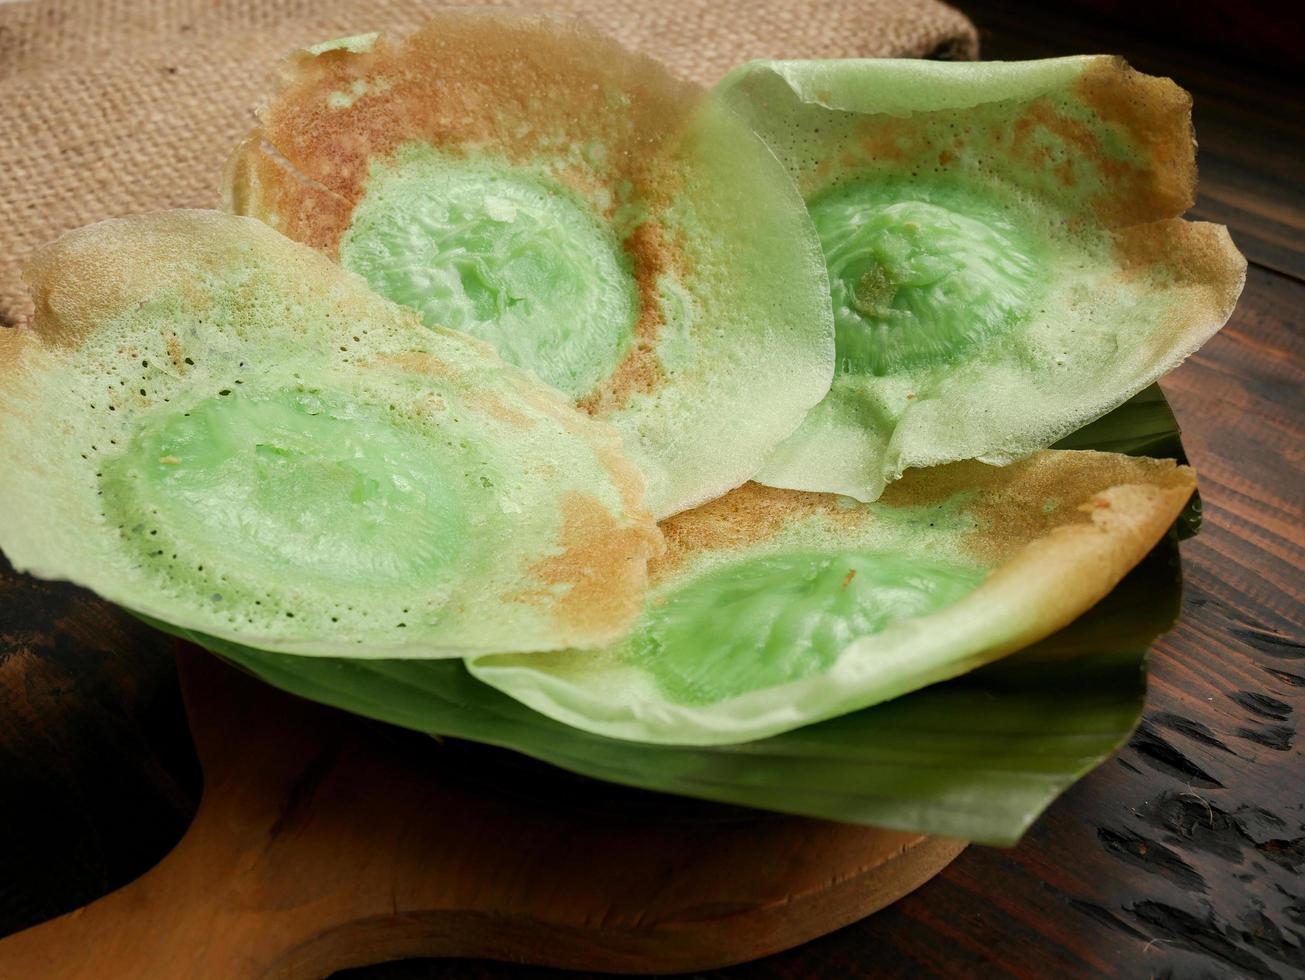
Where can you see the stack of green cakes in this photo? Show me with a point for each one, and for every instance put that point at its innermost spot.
(697, 441)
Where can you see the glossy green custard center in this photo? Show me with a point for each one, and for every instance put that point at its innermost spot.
(503, 254)
(779, 618)
(290, 483)
(915, 282)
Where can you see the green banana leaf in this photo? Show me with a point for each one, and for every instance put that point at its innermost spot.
(976, 758)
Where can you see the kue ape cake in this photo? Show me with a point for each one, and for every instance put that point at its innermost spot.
(606, 226)
(223, 431)
(773, 609)
(1006, 260)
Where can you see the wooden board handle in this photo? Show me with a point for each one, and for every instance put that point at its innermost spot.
(322, 842)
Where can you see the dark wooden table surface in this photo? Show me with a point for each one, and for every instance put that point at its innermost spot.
(1182, 857)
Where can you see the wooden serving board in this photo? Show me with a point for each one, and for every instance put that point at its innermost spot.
(324, 841)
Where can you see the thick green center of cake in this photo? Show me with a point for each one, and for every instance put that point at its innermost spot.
(286, 483)
(501, 253)
(915, 282)
(773, 619)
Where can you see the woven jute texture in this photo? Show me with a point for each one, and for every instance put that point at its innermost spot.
(109, 107)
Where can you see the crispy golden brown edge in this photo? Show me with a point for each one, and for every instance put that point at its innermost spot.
(1110, 510)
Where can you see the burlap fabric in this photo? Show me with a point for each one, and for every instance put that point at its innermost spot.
(108, 107)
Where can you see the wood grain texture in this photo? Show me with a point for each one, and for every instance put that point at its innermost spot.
(1183, 857)
(99, 777)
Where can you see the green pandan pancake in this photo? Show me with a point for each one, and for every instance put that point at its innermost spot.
(618, 232)
(224, 432)
(1004, 253)
(773, 609)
